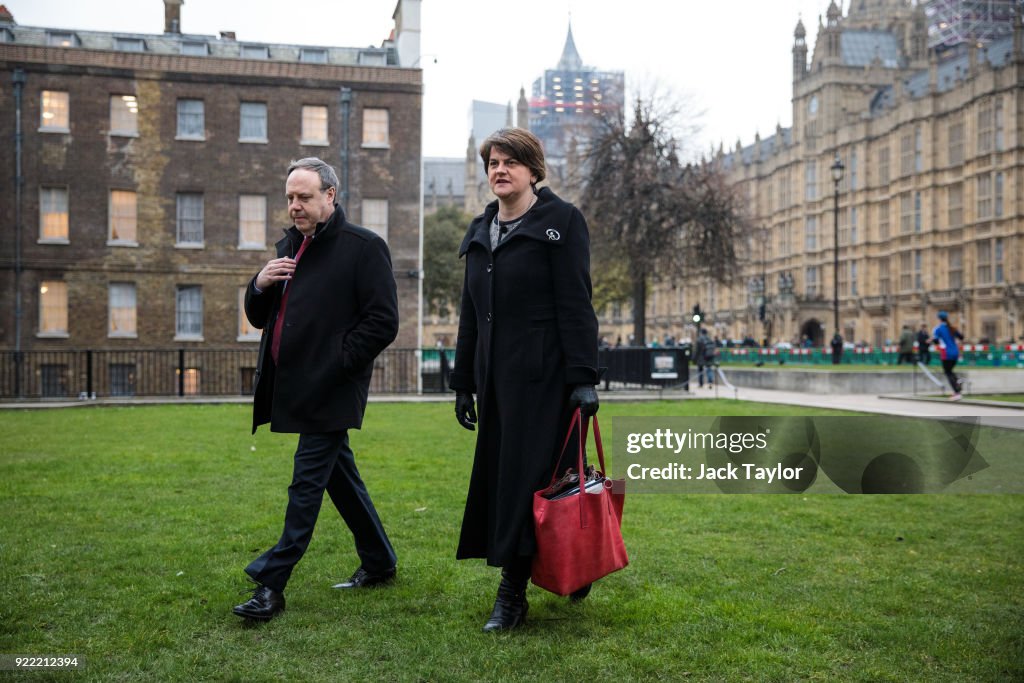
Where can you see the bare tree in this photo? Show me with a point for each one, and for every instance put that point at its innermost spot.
(652, 216)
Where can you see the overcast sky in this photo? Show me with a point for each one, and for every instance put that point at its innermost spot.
(730, 61)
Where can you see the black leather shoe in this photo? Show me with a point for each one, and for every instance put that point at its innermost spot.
(364, 579)
(578, 595)
(265, 604)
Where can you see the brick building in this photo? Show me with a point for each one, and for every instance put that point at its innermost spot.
(143, 175)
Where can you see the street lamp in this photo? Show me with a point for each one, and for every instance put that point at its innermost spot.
(837, 175)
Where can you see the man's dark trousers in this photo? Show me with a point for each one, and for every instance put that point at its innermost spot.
(324, 462)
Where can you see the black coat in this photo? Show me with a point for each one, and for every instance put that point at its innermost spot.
(527, 336)
(342, 312)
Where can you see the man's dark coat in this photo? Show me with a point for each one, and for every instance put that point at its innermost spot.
(342, 312)
(527, 336)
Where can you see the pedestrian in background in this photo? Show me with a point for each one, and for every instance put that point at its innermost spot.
(923, 353)
(706, 351)
(906, 346)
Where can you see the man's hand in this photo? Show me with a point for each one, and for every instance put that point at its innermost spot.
(276, 270)
(464, 410)
(584, 397)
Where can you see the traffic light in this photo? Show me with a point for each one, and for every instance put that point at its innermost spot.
(698, 315)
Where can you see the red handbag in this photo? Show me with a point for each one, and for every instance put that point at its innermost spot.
(579, 536)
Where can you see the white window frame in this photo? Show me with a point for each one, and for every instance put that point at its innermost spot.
(188, 313)
(186, 217)
(123, 218)
(246, 332)
(256, 130)
(376, 128)
(315, 115)
(124, 116)
(186, 120)
(252, 221)
(54, 111)
(53, 212)
(122, 310)
(53, 309)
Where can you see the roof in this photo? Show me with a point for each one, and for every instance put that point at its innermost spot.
(570, 60)
(200, 45)
(770, 145)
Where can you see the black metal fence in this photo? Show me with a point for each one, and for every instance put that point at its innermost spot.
(174, 372)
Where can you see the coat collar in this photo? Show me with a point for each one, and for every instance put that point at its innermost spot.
(331, 225)
(542, 222)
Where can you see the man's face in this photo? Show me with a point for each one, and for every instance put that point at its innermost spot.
(307, 203)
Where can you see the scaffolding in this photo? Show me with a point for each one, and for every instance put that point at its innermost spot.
(952, 22)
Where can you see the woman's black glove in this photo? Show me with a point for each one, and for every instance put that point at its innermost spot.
(464, 410)
(584, 396)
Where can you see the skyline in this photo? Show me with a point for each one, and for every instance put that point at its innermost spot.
(729, 65)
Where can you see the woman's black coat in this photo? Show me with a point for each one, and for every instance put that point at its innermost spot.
(342, 312)
(527, 336)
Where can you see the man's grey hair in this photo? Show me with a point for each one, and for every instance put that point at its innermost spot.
(328, 178)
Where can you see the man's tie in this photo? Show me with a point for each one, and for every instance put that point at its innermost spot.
(275, 340)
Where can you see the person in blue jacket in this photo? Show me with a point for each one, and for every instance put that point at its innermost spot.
(945, 339)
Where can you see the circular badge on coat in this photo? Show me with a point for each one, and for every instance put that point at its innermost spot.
(553, 235)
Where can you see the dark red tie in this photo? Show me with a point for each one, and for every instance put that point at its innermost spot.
(275, 341)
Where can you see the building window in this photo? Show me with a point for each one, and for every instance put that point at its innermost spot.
(998, 204)
(130, 44)
(906, 213)
(853, 278)
(189, 382)
(997, 115)
(54, 379)
(955, 267)
(918, 150)
(255, 52)
(906, 154)
(313, 55)
(883, 166)
(375, 128)
(955, 205)
(123, 217)
(985, 129)
(883, 276)
(906, 271)
(984, 196)
(252, 125)
(6, 36)
(811, 281)
(990, 261)
(811, 181)
(194, 48)
(54, 113)
(246, 332)
(53, 308)
(124, 115)
(191, 120)
(189, 313)
(997, 259)
(853, 225)
(252, 221)
(61, 39)
(314, 125)
(53, 215)
(917, 212)
(955, 132)
(883, 220)
(375, 216)
(190, 220)
(122, 379)
(122, 310)
(811, 233)
(853, 170)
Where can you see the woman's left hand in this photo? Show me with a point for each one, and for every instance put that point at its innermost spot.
(584, 397)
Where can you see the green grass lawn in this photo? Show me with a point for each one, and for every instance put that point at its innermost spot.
(125, 531)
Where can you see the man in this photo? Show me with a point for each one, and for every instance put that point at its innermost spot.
(705, 358)
(328, 306)
(906, 346)
(923, 354)
(837, 348)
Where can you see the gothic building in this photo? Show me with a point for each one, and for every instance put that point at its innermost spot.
(928, 209)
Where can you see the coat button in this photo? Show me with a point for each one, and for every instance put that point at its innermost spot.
(490, 317)
(490, 267)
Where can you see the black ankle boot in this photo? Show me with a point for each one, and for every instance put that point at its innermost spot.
(510, 606)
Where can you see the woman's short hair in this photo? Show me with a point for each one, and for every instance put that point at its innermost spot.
(518, 143)
(328, 178)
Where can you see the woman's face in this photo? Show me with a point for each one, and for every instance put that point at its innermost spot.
(508, 177)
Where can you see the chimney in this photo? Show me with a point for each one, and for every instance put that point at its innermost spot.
(5, 15)
(172, 16)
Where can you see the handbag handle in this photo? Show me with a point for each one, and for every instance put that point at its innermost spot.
(582, 427)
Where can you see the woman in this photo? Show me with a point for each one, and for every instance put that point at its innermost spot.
(527, 346)
(945, 336)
